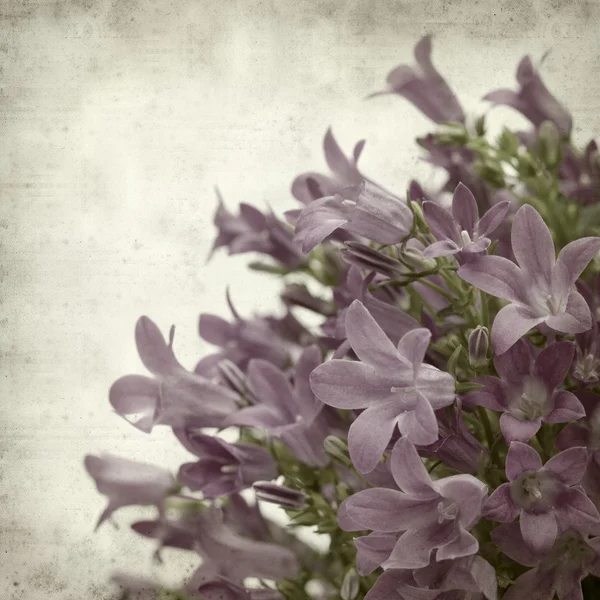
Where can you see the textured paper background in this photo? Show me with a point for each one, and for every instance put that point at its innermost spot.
(117, 119)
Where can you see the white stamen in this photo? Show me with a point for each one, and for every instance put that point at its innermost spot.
(349, 202)
(466, 238)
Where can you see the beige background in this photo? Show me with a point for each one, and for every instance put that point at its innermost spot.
(118, 118)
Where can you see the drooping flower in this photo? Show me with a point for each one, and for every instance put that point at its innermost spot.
(541, 289)
(533, 100)
(269, 491)
(547, 499)
(528, 391)
(424, 87)
(394, 386)
(223, 468)
(175, 397)
(292, 414)
(560, 571)
(470, 578)
(364, 209)
(462, 231)
(311, 186)
(253, 231)
(432, 515)
(127, 483)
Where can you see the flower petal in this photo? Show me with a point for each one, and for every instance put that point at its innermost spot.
(318, 220)
(408, 469)
(569, 465)
(566, 408)
(350, 384)
(413, 347)
(499, 506)
(532, 244)
(576, 509)
(464, 208)
(370, 434)
(496, 276)
(157, 357)
(372, 550)
(463, 545)
(368, 340)
(576, 318)
(515, 430)
(441, 248)
(420, 425)
(574, 257)
(509, 539)
(539, 530)
(390, 511)
(492, 396)
(440, 222)
(467, 491)
(135, 398)
(492, 219)
(521, 458)
(511, 323)
(554, 361)
(514, 364)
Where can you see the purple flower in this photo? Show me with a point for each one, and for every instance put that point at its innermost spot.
(541, 289)
(547, 499)
(269, 491)
(470, 578)
(528, 391)
(586, 366)
(393, 385)
(463, 231)
(175, 397)
(363, 209)
(311, 186)
(253, 231)
(560, 571)
(533, 100)
(424, 87)
(240, 341)
(223, 468)
(126, 483)
(292, 414)
(586, 432)
(433, 515)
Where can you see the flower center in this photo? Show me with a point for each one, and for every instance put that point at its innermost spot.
(586, 368)
(534, 491)
(229, 469)
(465, 237)
(585, 179)
(533, 401)
(349, 202)
(447, 511)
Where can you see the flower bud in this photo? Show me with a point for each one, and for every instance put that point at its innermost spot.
(337, 448)
(419, 219)
(548, 144)
(365, 257)
(414, 258)
(479, 343)
(269, 491)
(349, 589)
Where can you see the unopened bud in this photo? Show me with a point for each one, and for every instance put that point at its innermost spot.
(367, 258)
(548, 144)
(480, 126)
(414, 258)
(337, 448)
(349, 589)
(479, 343)
(269, 491)
(420, 221)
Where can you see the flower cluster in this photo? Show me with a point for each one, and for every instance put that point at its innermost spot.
(441, 423)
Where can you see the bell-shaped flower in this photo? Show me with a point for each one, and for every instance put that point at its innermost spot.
(311, 186)
(547, 499)
(463, 230)
(365, 210)
(394, 386)
(541, 289)
(432, 515)
(470, 578)
(528, 391)
(559, 572)
(533, 100)
(222, 468)
(127, 483)
(290, 413)
(175, 397)
(424, 87)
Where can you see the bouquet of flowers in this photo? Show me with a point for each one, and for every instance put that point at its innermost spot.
(437, 419)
